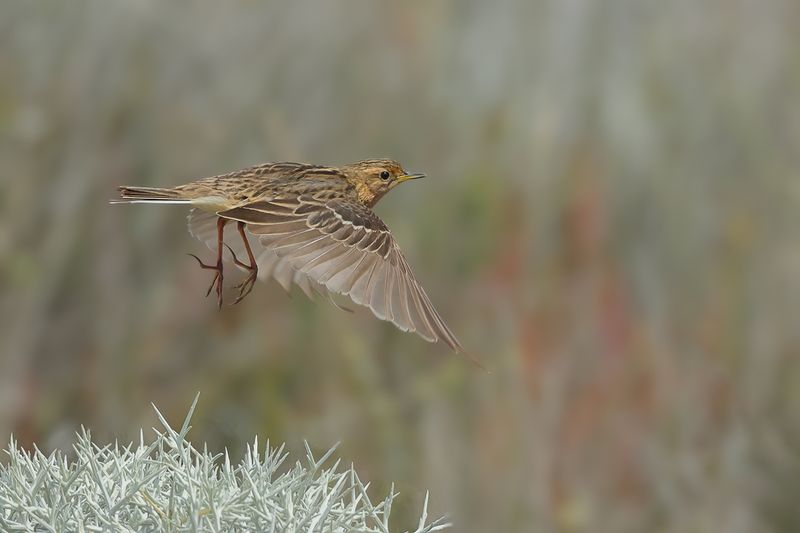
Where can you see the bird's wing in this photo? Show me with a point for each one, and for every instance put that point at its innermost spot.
(347, 249)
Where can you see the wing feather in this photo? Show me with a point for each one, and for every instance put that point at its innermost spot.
(203, 226)
(341, 247)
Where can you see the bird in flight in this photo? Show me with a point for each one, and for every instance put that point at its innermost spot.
(308, 225)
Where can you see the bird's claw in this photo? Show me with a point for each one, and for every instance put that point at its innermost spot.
(246, 286)
(216, 282)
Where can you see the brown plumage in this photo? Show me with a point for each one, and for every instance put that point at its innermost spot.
(314, 227)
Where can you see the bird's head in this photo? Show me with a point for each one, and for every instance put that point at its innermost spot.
(373, 178)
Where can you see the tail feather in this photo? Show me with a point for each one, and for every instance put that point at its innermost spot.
(150, 195)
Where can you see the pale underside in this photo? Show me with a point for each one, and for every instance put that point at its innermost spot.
(323, 252)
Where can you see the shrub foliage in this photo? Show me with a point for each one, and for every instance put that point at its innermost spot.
(169, 485)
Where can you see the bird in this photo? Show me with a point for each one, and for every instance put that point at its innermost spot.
(310, 225)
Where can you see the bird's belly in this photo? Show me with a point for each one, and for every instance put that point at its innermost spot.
(212, 204)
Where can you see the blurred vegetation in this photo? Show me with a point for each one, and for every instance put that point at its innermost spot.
(610, 222)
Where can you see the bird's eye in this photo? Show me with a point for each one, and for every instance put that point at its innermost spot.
(385, 175)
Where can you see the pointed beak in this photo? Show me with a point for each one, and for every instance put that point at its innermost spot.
(408, 177)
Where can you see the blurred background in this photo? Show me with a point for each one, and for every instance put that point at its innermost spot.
(610, 222)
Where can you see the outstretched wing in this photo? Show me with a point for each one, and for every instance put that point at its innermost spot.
(345, 248)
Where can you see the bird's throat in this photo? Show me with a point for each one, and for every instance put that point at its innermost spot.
(366, 195)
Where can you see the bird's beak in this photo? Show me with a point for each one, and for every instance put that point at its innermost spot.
(407, 177)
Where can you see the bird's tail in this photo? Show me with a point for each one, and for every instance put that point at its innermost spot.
(150, 195)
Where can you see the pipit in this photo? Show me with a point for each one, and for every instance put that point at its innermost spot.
(312, 226)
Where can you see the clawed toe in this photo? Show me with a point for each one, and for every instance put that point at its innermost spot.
(246, 286)
(236, 260)
(203, 265)
(217, 281)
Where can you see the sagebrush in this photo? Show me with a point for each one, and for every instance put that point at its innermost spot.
(169, 485)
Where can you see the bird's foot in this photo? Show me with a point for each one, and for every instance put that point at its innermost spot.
(247, 285)
(216, 281)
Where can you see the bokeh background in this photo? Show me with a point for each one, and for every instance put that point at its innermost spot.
(611, 223)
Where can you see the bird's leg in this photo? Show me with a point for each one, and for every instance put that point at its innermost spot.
(217, 281)
(247, 285)
(251, 277)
